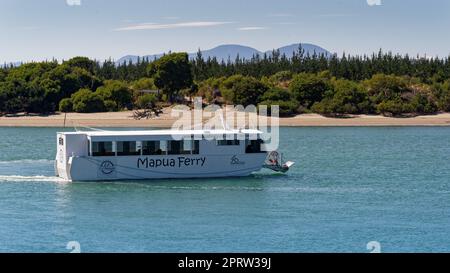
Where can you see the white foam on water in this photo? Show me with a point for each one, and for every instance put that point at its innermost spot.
(35, 178)
(27, 161)
(336, 190)
(207, 188)
(269, 189)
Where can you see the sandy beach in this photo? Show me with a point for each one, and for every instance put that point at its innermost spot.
(125, 119)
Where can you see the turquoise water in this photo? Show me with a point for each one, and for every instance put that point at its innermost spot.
(350, 186)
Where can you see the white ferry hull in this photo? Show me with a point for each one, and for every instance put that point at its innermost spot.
(136, 155)
(167, 167)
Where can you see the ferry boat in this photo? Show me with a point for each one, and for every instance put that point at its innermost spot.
(160, 154)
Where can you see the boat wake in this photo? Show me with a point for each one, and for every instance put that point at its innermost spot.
(27, 161)
(27, 170)
(35, 178)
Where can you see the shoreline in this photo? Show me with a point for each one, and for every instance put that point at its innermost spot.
(125, 120)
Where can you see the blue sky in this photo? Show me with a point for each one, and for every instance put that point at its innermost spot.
(43, 29)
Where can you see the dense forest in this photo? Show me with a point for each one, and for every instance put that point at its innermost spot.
(382, 83)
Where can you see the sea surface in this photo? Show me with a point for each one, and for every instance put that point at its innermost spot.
(349, 187)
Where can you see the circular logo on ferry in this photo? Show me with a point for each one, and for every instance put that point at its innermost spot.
(107, 167)
(236, 161)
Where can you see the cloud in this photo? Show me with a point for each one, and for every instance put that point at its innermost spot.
(73, 2)
(281, 15)
(286, 23)
(251, 28)
(374, 2)
(336, 15)
(154, 26)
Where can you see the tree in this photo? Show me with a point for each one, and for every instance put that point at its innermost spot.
(86, 101)
(3, 98)
(83, 63)
(172, 73)
(50, 94)
(243, 90)
(11, 97)
(146, 101)
(395, 95)
(72, 79)
(386, 87)
(282, 76)
(442, 92)
(393, 108)
(282, 98)
(190, 92)
(210, 89)
(277, 94)
(143, 84)
(345, 98)
(309, 88)
(444, 102)
(393, 84)
(117, 92)
(421, 104)
(27, 89)
(111, 106)
(148, 107)
(199, 67)
(3, 74)
(65, 105)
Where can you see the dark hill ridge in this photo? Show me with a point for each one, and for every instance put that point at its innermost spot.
(225, 52)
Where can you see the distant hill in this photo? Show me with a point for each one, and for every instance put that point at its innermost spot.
(308, 48)
(223, 52)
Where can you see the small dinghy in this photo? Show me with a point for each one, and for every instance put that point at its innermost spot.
(275, 163)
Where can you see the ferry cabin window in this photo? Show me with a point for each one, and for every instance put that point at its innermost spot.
(177, 148)
(125, 148)
(224, 142)
(184, 147)
(163, 147)
(102, 149)
(253, 146)
(196, 147)
(170, 147)
(191, 147)
(187, 146)
(152, 148)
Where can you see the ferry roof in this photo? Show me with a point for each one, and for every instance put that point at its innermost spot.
(153, 134)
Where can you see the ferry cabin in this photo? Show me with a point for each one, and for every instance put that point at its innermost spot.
(114, 155)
